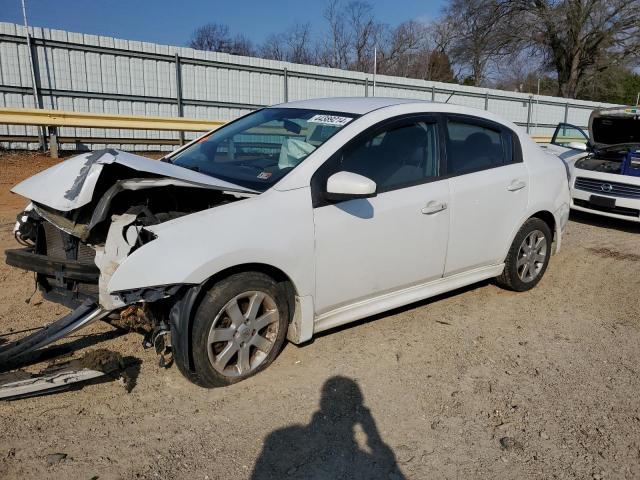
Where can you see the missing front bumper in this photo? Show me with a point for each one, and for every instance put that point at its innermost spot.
(67, 282)
(26, 259)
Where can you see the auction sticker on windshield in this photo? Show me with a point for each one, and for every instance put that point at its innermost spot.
(330, 120)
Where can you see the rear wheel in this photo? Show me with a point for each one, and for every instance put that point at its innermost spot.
(528, 257)
(239, 328)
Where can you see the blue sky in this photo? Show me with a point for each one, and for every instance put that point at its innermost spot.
(172, 21)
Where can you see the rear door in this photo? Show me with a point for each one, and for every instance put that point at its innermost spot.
(489, 187)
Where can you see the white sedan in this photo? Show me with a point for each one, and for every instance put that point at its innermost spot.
(605, 165)
(293, 220)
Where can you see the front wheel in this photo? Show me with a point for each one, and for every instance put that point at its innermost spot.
(528, 257)
(239, 329)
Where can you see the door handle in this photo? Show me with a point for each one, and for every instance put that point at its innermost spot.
(516, 185)
(434, 207)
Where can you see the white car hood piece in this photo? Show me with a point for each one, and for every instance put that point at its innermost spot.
(70, 184)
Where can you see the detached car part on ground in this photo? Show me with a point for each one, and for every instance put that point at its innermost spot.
(605, 165)
(290, 221)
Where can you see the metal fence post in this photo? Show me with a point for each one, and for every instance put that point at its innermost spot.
(35, 78)
(433, 93)
(179, 95)
(366, 87)
(486, 101)
(566, 112)
(53, 142)
(286, 85)
(37, 94)
(529, 114)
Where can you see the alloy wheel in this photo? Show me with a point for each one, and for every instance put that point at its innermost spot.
(531, 256)
(243, 333)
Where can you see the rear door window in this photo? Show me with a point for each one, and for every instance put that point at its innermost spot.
(477, 145)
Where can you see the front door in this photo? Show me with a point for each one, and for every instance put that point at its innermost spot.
(368, 247)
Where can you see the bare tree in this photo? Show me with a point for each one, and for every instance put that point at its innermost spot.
(212, 36)
(295, 45)
(577, 47)
(365, 32)
(215, 37)
(441, 34)
(520, 72)
(335, 52)
(400, 48)
(298, 41)
(241, 45)
(477, 35)
(577, 37)
(274, 47)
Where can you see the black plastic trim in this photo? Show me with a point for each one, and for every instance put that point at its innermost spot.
(180, 323)
(26, 259)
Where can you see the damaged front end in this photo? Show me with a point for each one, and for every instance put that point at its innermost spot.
(89, 214)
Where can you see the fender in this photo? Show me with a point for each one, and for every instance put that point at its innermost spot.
(183, 310)
(193, 248)
(207, 243)
(539, 201)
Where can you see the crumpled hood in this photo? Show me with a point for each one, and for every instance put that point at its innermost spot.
(70, 184)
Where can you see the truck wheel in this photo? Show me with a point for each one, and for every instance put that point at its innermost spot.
(528, 257)
(239, 328)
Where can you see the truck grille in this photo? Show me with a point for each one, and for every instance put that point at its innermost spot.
(607, 188)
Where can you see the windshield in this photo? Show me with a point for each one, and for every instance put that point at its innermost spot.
(259, 149)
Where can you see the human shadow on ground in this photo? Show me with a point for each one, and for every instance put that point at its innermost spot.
(327, 448)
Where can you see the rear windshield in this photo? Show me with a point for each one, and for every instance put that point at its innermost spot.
(259, 149)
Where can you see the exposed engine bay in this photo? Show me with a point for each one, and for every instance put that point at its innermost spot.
(614, 137)
(617, 159)
(75, 247)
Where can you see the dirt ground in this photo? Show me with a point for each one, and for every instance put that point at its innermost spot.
(481, 383)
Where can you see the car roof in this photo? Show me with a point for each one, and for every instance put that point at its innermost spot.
(355, 105)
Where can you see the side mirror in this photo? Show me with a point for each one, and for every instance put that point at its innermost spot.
(347, 185)
(578, 146)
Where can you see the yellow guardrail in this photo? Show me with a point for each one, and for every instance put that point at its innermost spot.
(541, 138)
(560, 139)
(60, 118)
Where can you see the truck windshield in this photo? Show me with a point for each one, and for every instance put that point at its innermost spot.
(259, 149)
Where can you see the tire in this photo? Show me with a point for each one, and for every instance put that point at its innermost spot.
(230, 344)
(524, 267)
